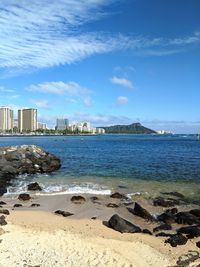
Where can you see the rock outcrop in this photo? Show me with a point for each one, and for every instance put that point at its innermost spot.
(29, 159)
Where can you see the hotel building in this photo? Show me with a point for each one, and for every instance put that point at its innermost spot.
(6, 119)
(27, 120)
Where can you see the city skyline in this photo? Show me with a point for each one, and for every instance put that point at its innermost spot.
(101, 61)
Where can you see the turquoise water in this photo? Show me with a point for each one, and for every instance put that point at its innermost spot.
(102, 163)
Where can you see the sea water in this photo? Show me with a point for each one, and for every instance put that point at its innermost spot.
(136, 164)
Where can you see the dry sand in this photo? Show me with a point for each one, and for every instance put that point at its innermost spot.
(36, 237)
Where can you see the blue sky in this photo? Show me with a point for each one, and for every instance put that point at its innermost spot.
(103, 61)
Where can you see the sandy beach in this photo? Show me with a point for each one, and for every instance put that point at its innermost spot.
(35, 236)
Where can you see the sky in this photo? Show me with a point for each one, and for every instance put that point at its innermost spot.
(104, 61)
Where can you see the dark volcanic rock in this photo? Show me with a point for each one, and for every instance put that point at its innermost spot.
(167, 218)
(35, 205)
(141, 212)
(112, 205)
(34, 187)
(17, 205)
(123, 226)
(146, 231)
(174, 194)
(24, 197)
(186, 218)
(63, 213)
(94, 218)
(198, 244)
(190, 231)
(195, 212)
(177, 240)
(28, 159)
(172, 211)
(4, 211)
(2, 203)
(160, 201)
(162, 227)
(78, 199)
(162, 234)
(2, 220)
(118, 195)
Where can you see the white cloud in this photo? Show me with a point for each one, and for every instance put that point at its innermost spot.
(121, 81)
(70, 89)
(122, 100)
(5, 90)
(44, 104)
(47, 33)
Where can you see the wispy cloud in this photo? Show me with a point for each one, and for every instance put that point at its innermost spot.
(46, 33)
(5, 90)
(43, 104)
(71, 89)
(122, 100)
(122, 81)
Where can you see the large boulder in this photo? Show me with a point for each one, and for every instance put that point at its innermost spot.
(123, 226)
(141, 212)
(29, 159)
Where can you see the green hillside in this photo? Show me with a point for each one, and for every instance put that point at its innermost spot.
(134, 128)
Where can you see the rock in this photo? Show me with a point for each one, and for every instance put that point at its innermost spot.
(34, 187)
(128, 202)
(141, 212)
(94, 218)
(24, 197)
(123, 226)
(146, 231)
(198, 244)
(78, 199)
(177, 240)
(63, 213)
(2, 203)
(162, 234)
(174, 194)
(172, 211)
(186, 218)
(2, 220)
(35, 205)
(190, 231)
(4, 211)
(160, 201)
(17, 205)
(112, 205)
(167, 218)
(22, 159)
(118, 195)
(93, 199)
(195, 212)
(162, 227)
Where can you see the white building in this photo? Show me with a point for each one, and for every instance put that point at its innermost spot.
(6, 119)
(41, 126)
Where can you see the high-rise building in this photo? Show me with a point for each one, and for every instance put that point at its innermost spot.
(62, 124)
(27, 120)
(6, 119)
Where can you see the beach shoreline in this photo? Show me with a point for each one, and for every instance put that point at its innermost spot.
(84, 234)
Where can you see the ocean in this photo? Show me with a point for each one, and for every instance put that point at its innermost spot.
(142, 165)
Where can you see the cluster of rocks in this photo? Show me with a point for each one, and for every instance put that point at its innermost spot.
(25, 159)
(169, 220)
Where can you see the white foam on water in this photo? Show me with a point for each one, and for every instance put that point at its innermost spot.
(55, 189)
